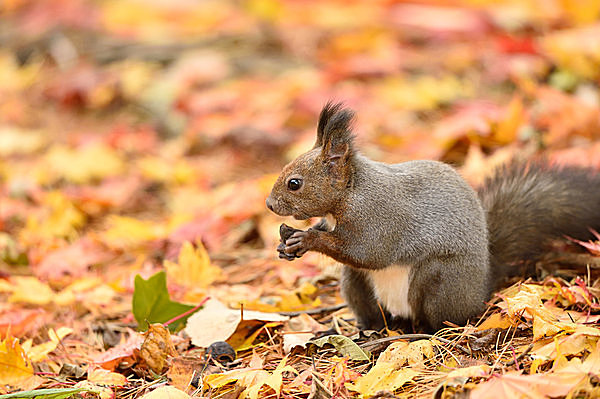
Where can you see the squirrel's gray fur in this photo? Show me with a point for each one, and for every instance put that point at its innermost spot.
(420, 220)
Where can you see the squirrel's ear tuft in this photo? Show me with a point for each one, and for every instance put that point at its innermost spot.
(338, 139)
(329, 110)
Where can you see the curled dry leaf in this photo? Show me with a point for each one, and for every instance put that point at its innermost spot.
(157, 347)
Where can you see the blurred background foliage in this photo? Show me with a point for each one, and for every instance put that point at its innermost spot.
(428, 78)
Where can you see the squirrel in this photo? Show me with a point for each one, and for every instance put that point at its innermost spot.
(418, 243)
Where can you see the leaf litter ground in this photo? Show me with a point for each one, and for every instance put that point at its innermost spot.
(139, 141)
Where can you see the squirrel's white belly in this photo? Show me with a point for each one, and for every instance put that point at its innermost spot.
(391, 289)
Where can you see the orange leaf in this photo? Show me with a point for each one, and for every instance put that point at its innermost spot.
(15, 367)
(105, 377)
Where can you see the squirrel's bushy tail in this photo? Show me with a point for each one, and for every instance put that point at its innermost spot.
(528, 203)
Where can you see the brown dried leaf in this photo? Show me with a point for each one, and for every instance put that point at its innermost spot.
(157, 347)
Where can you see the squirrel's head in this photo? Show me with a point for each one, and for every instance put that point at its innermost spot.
(316, 182)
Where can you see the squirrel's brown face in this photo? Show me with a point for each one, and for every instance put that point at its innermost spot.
(315, 183)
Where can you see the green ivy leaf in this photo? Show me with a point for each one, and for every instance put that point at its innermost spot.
(152, 303)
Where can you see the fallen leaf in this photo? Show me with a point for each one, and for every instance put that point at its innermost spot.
(193, 268)
(157, 347)
(252, 379)
(30, 290)
(20, 321)
(344, 345)
(15, 367)
(299, 330)
(496, 320)
(152, 304)
(84, 165)
(60, 218)
(39, 352)
(482, 370)
(120, 353)
(73, 260)
(592, 246)
(124, 232)
(388, 372)
(513, 384)
(272, 380)
(105, 377)
(166, 392)
(216, 322)
(182, 370)
(15, 141)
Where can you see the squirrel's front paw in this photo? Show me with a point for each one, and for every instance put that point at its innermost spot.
(282, 255)
(298, 243)
(286, 232)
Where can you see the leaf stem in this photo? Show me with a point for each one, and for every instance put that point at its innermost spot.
(184, 314)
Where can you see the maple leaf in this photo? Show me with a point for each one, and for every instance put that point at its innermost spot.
(193, 269)
(126, 232)
(40, 352)
(73, 259)
(15, 367)
(252, 379)
(85, 164)
(28, 289)
(60, 218)
(151, 303)
(388, 373)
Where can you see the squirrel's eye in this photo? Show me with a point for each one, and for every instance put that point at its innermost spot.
(294, 184)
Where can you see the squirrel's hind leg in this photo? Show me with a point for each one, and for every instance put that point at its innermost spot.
(452, 289)
(360, 297)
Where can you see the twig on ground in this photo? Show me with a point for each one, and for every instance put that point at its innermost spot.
(520, 357)
(314, 311)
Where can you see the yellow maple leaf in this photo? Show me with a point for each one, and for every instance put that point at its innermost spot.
(30, 290)
(83, 165)
(193, 268)
(252, 379)
(388, 372)
(274, 380)
(15, 367)
(245, 377)
(40, 352)
(126, 231)
(166, 171)
(60, 219)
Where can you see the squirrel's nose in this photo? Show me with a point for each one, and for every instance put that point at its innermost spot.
(269, 203)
